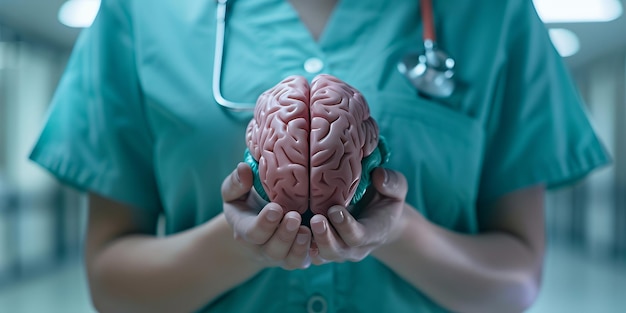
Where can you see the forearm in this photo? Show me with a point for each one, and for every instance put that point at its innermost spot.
(495, 272)
(179, 273)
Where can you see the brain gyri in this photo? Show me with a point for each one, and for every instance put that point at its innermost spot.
(309, 141)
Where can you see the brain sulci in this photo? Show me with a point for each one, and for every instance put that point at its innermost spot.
(307, 143)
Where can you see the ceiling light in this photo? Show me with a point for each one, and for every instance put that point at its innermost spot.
(565, 41)
(575, 11)
(78, 13)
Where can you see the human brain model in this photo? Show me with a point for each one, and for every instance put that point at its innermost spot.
(313, 146)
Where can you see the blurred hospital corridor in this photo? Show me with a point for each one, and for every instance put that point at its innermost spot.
(42, 222)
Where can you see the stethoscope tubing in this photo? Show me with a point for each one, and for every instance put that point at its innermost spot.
(220, 33)
(429, 37)
(428, 21)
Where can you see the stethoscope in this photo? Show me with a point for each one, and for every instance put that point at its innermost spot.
(430, 72)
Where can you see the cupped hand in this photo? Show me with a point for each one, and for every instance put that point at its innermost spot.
(342, 237)
(270, 237)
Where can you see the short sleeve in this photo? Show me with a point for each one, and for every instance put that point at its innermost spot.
(538, 131)
(96, 137)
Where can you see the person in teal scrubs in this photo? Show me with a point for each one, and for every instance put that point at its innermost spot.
(456, 222)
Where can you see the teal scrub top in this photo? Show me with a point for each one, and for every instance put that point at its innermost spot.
(134, 119)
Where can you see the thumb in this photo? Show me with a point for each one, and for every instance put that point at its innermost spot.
(389, 183)
(238, 183)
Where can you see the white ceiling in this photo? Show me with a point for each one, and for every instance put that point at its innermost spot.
(36, 20)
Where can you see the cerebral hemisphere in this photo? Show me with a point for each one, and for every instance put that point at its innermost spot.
(307, 143)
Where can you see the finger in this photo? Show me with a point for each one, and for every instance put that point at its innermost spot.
(278, 246)
(351, 232)
(314, 254)
(257, 229)
(389, 183)
(254, 201)
(238, 183)
(318, 260)
(327, 245)
(298, 256)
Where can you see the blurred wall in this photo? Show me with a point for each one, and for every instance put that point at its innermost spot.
(592, 214)
(39, 225)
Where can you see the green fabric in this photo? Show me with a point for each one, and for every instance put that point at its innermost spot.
(134, 119)
(256, 180)
(377, 158)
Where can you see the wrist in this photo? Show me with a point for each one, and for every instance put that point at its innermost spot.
(404, 236)
(235, 252)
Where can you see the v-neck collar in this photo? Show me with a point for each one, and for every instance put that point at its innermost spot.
(331, 23)
(319, 21)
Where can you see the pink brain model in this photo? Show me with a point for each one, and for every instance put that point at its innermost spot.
(309, 141)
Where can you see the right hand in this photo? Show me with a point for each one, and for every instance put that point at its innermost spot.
(269, 236)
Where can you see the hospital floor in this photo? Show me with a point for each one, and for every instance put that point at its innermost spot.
(573, 283)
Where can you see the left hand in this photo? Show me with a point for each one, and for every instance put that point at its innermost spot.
(270, 237)
(341, 237)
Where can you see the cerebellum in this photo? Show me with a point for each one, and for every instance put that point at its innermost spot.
(309, 142)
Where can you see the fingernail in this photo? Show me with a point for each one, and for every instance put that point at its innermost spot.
(237, 178)
(273, 215)
(318, 227)
(301, 239)
(336, 215)
(292, 224)
(386, 177)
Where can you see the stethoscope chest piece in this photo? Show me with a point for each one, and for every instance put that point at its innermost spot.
(430, 72)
